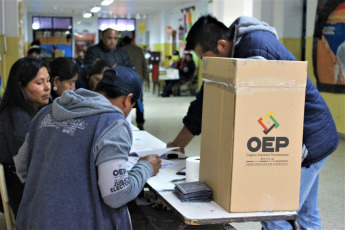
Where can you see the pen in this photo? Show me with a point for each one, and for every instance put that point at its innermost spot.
(178, 180)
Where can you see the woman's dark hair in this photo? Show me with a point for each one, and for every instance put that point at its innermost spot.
(21, 73)
(206, 32)
(64, 68)
(110, 90)
(98, 67)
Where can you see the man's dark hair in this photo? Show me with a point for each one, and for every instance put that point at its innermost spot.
(34, 47)
(112, 91)
(206, 32)
(127, 40)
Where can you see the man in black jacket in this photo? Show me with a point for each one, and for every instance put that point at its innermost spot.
(106, 50)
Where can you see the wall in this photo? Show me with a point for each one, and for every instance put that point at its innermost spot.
(335, 102)
(157, 23)
(11, 45)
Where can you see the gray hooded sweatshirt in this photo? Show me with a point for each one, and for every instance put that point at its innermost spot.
(74, 164)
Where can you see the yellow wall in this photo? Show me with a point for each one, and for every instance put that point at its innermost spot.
(335, 102)
(294, 45)
(10, 57)
(166, 51)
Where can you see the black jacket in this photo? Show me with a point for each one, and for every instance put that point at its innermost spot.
(100, 51)
(14, 124)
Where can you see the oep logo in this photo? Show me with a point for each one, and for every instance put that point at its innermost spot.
(267, 144)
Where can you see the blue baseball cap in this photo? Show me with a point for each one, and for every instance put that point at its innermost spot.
(126, 79)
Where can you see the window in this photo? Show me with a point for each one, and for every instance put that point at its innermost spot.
(53, 32)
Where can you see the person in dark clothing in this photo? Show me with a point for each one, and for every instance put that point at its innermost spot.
(249, 38)
(136, 55)
(186, 72)
(106, 50)
(63, 75)
(74, 159)
(80, 59)
(27, 90)
(95, 74)
(35, 49)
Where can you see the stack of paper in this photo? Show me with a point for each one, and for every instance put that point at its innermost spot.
(193, 192)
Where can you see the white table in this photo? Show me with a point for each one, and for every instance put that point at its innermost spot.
(168, 74)
(199, 213)
(202, 213)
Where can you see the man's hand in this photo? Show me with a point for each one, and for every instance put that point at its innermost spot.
(181, 140)
(172, 144)
(155, 161)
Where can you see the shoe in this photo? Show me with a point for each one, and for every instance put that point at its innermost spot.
(165, 95)
(140, 126)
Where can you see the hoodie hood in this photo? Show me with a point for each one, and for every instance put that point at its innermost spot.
(81, 103)
(247, 24)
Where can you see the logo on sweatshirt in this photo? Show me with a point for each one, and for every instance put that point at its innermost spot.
(67, 126)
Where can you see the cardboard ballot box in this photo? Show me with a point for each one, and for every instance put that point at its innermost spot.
(251, 144)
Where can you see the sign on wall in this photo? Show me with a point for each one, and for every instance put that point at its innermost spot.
(329, 46)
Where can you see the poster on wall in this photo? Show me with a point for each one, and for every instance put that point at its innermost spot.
(83, 41)
(329, 46)
(188, 20)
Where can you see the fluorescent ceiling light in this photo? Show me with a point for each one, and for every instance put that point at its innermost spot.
(87, 15)
(35, 26)
(104, 26)
(121, 27)
(106, 2)
(130, 28)
(95, 9)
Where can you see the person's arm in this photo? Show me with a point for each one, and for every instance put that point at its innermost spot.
(90, 57)
(21, 121)
(182, 139)
(192, 123)
(21, 160)
(116, 184)
(123, 58)
(145, 71)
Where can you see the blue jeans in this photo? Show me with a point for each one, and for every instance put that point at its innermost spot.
(308, 214)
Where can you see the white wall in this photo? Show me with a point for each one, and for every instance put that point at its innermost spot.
(10, 17)
(2, 16)
(157, 23)
(311, 15)
(227, 11)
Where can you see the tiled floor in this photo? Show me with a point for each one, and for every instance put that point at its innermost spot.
(164, 120)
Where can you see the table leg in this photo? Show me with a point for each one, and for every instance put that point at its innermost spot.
(295, 225)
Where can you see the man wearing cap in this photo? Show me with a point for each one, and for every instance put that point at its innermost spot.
(73, 160)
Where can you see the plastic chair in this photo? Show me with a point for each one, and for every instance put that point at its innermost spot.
(9, 217)
(155, 76)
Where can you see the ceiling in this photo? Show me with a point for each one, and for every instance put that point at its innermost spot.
(119, 8)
